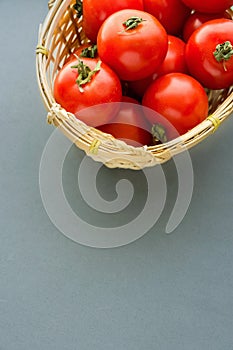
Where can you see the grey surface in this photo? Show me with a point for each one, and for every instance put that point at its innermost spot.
(162, 292)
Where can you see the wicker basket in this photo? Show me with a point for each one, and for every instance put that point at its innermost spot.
(59, 35)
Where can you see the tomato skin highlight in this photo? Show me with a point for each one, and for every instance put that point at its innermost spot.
(103, 88)
(136, 53)
(129, 124)
(171, 13)
(205, 6)
(95, 12)
(200, 58)
(177, 102)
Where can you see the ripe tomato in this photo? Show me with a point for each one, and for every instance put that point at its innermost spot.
(173, 62)
(177, 103)
(209, 54)
(196, 19)
(171, 13)
(206, 6)
(129, 124)
(175, 57)
(133, 43)
(96, 11)
(78, 86)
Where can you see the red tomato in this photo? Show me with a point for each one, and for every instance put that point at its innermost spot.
(207, 6)
(129, 124)
(196, 19)
(102, 88)
(96, 11)
(173, 62)
(176, 103)
(209, 54)
(133, 43)
(171, 13)
(175, 58)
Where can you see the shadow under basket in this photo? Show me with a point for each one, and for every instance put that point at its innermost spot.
(59, 35)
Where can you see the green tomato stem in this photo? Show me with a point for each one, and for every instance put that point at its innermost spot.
(85, 74)
(90, 51)
(132, 22)
(223, 52)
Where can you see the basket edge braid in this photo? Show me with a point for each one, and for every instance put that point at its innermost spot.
(98, 145)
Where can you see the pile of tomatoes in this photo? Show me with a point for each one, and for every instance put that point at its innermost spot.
(144, 74)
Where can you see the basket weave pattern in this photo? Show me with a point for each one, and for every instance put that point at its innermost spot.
(59, 35)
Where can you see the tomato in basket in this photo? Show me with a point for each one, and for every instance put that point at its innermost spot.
(171, 13)
(96, 11)
(173, 62)
(207, 6)
(175, 57)
(133, 43)
(85, 83)
(172, 104)
(176, 103)
(196, 19)
(209, 54)
(129, 124)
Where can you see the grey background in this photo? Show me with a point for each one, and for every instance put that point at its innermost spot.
(162, 292)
